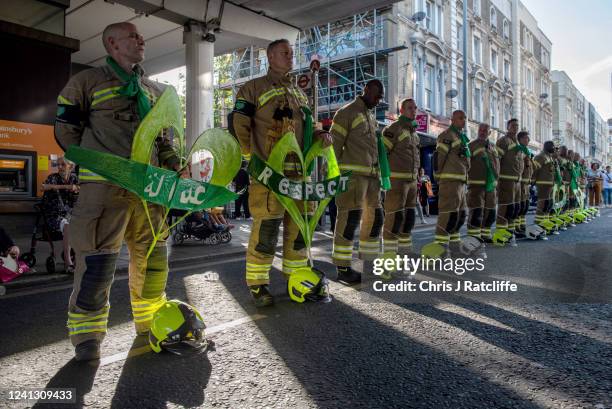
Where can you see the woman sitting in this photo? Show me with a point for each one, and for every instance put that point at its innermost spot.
(61, 191)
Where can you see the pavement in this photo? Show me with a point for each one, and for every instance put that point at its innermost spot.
(549, 345)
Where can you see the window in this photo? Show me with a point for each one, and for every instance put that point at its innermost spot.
(429, 78)
(440, 22)
(493, 18)
(528, 41)
(429, 18)
(459, 36)
(506, 29)
(477, 51)
(507, 111)
(545, 58)
(506, 70)
(494, 62)
(478, 104)
(476, 7)
(493, 110)
(529, 79)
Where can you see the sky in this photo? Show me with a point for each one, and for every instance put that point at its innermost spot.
(581, 34)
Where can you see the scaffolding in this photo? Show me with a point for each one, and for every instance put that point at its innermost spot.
(352, 51)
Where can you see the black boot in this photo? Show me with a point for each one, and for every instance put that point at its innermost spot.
(348, 275)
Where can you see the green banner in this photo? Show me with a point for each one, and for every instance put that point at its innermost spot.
(297, 190)
(275, 178)
(153, 184)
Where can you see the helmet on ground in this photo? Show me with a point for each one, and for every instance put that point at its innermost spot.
(433, 250)
(501, 237)
(534, 232)
(178, 328)
(471, 245)
(308, 283)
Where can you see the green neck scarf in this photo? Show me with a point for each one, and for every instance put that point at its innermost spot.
(576, 173)
(558, 178)
(132, 87)
(412, 122)
(490, 182)
(465, 141)
(522, 148)
(383, 163)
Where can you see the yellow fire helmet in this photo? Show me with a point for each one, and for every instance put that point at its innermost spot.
(177, 327)
(308, 283)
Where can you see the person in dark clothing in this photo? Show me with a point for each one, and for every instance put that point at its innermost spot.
(241, 181)
(7, 245)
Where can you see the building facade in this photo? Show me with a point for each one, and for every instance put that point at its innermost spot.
(598, 143)
(570, 114)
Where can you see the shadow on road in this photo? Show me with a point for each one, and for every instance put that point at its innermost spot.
(79, 375)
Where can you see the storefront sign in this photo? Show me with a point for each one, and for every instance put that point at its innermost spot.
(423, 121)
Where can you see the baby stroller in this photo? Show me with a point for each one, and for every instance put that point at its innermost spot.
(41, 232)
(198, 226)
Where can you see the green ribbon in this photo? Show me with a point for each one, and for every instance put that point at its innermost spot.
(132, 87)
(575, 171)
(412, 122)
(490, 182)
(465, 141)
(383, 163)
(296, 189)
(308, 134)
(558, 178)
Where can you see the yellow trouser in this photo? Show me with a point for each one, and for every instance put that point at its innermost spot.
(451, 211)
(400, 203)
(105, 216)
(509, 195)
(268, 214)
(359, 205)
(482, 205)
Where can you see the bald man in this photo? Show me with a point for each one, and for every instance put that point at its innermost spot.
(355, 143)
(452, 163)
(100, 109)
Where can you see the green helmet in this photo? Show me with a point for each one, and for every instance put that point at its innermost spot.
(433, 251)
(501, 237)
(177, 327)
(308, 284)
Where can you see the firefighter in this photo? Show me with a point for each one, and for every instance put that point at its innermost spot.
(452, 163)
(544, 177)
(565, 167)
(99, 109)
(521, 221)
(265, 109)
(511, 166)
(355, 144)
(482, 183)
(402, 144)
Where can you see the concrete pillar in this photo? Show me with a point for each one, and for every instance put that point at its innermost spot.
(199, 59)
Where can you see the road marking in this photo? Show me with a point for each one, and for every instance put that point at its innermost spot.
(120, 356)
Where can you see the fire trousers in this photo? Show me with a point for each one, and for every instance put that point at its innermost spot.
(508, 192)
(545, 202)
(105, 216)
(268, 214)
(400, 212)
(358, 207)
(521, 220)
(451, 211)
(483, 206)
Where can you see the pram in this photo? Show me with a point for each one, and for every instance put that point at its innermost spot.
(42, 232)
(201, 228)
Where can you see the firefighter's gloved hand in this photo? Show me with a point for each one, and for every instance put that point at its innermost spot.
(324, 136)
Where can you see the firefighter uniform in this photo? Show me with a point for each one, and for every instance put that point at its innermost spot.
(544, 177)
(94, 113)
(402, 144)
(508, 188)
(565, 166)
(452, 166)
(265, 109)
(521, 222)
(482, 203)
(354, 138)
